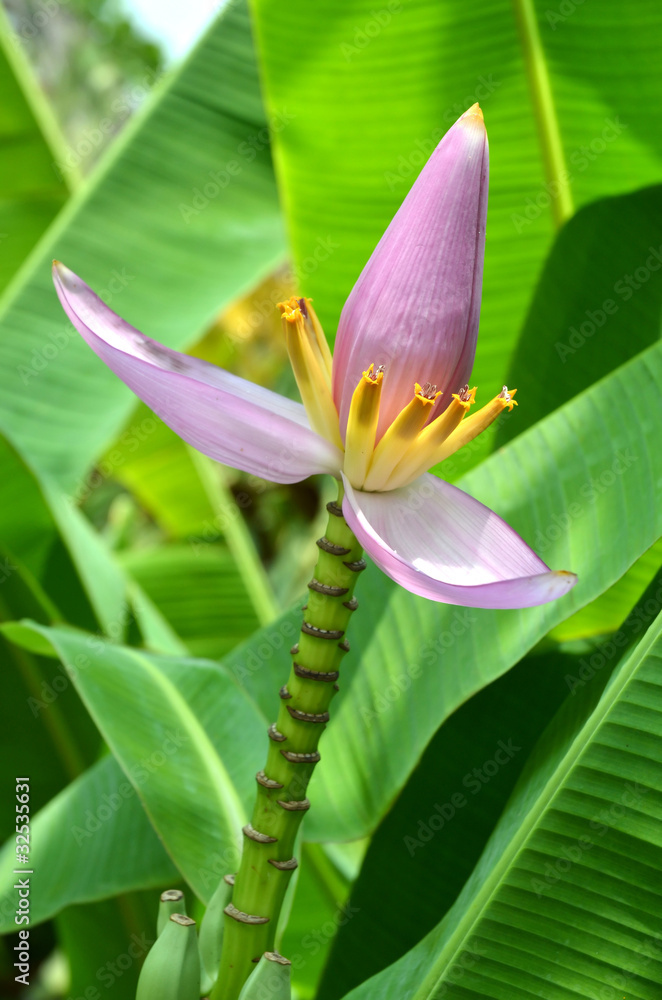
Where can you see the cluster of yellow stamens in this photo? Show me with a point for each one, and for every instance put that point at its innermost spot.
(414, 442)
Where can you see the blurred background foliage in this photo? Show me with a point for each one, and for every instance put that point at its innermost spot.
(111, 524)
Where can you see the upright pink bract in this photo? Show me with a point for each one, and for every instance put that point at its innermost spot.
(416, 304)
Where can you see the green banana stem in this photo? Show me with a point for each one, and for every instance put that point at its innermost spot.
(267, 860)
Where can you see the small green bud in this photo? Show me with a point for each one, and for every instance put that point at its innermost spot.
(211, 934)
(172, 968)
(269, 980)
(172, 901)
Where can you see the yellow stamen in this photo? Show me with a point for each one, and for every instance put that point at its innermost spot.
(362, 425)
(400, 435)
(476, 423)
(420, 456)
(465, 431)
(311, 365)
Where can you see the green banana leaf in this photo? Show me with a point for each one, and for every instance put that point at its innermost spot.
(565, 901)
(403, 640)
(437, 829)
(572, 104)
(93, 840)
(177, 745)
(143, 232)
(565, 485)
(200, 593)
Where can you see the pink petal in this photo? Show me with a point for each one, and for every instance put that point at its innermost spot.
(416, 304)
(439, 542)
(224, 416)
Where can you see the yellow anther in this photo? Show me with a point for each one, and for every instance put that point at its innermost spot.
(311, 362)
(290, 310)
(299, 311)
(400, 435)
(427, 393)
(465, 431)
(506, 397)
(476, 424)
(420, 456)
(362, 425)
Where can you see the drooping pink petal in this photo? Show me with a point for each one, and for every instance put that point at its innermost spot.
(224, 416)
(416, 304)
(439, 542)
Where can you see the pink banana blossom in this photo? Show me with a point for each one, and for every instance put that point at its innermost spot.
(393, 401)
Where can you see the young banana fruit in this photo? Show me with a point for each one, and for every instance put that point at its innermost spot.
(172, 968)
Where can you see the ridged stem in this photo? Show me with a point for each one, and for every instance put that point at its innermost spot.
(267, 860)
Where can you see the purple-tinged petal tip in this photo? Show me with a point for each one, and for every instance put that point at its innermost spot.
(440, 543)
(224, 416)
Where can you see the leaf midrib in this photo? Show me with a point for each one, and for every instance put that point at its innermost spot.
(544, 108)
(482, 900)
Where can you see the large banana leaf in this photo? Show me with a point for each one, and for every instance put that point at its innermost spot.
(129, 231)
(598, 301)
(179, 217)
(96, 841)
(566, 485)
(178, 745)
(565, 901)
(404, 640)
(589, 313)
(439, 826)
(572, 107)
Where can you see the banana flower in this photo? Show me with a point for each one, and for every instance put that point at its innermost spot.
(393, 401)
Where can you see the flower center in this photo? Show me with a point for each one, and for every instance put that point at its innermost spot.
(414, 441)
